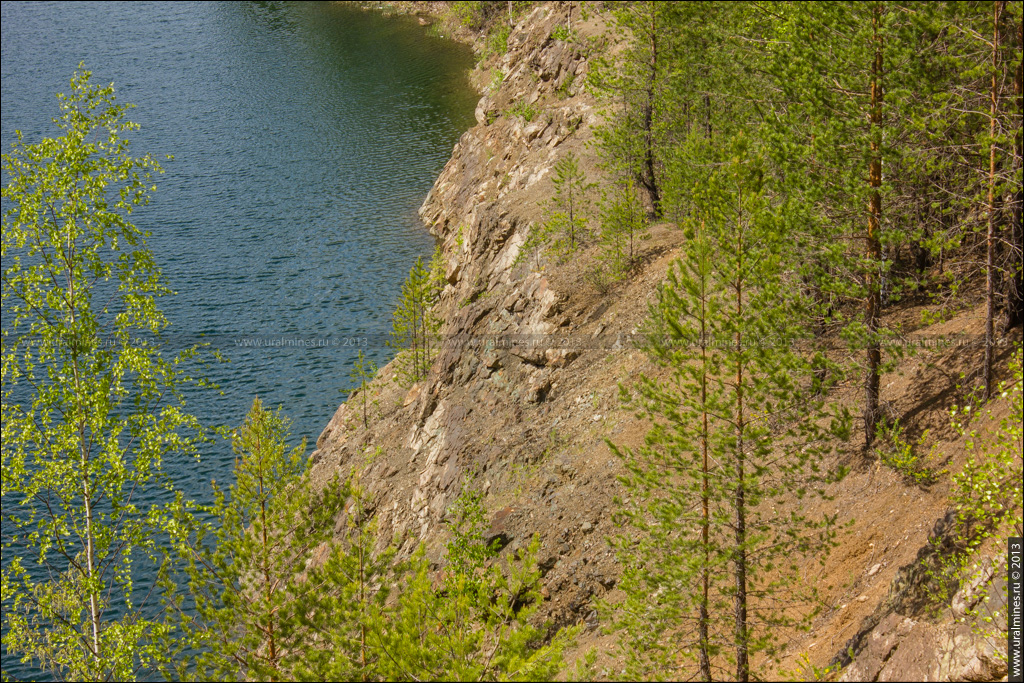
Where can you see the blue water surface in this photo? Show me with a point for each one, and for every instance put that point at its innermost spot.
(304, 137)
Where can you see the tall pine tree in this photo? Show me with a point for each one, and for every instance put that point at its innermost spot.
(735, 429)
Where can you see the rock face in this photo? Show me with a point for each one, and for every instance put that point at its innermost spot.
(481, 208)
(907, 640)
(483, 417)
(493, 186)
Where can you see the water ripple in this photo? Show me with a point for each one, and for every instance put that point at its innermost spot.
(304, 137)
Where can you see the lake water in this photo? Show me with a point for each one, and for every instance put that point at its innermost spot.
(304, 137)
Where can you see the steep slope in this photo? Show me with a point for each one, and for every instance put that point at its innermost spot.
(523, 394)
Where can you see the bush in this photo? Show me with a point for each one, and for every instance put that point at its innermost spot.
(563, 32)
(497, 42)
(987, 492)
(905, 457)
(524, 109)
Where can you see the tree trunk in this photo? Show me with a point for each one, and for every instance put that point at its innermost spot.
(707, 115)
(990, 241)
(268, 589)
(1014, 280)
(90, 557)
(874, 246)
(705, 529)
(740, 555)
(90, 533)
(649, 179)
(922, 255)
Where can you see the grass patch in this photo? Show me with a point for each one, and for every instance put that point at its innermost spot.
(905, 457)
(497, 42)
(563, 33)
(497, 78)
(524, 109)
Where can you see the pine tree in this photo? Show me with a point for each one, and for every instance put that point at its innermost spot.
(966, 154)
(414, 324)
(734, 430)
(247, 572)
(1014, 244)
(565, 227)
(349, 621)
(634, 83)
(847, 74)
(478, 624)
(363, 371)
(1003, 182)
(570, 201)
(623, 226)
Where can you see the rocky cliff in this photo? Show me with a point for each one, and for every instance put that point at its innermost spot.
(523, 394)
(506, 406)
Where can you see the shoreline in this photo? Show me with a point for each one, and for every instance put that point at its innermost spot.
(430, 14)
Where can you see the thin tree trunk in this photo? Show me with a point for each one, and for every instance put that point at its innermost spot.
(742, 661)
(416, 338)
(90, 557)
(650, 180)
(90, 540)
(1015, 258)
(707, 115)
(990, 241)
(922, 256)
(267, 585)
(705, 529)
(362, 607)
(874, 246)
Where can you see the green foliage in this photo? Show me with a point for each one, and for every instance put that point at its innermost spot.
(489, 15)
(414, 324)
(953, 135)
(987, 492)
(495, 18)
(735, 434)
(565, 89)
(478, 625)
(497, 78)
(566, 226)
(247, 554)
(806, 671)
(623, 226)
(563, 32)
(631, 81)
(905, 457)
(363, 371)
(349, 620)
(857, 104)
(281, 595)
(834, 93)
(470, 14)
(91, 406)
(497, 41)
(523, 109)
(986, 496)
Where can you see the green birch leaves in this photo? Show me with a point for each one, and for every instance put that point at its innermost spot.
(91, 405)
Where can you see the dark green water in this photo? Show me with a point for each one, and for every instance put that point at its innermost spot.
(304, 136)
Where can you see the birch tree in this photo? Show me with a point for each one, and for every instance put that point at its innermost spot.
(92, 406)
